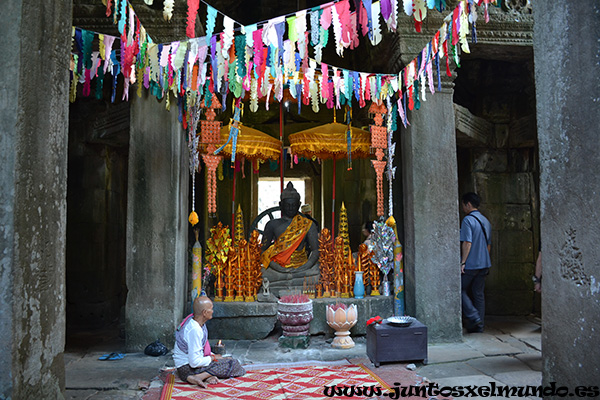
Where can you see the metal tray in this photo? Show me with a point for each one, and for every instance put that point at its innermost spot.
(403, 321)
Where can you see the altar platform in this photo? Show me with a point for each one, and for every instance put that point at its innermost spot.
(255, 320)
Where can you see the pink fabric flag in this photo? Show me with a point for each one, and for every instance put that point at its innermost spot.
(326, 16)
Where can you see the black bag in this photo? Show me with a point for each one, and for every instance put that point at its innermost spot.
(156, 349)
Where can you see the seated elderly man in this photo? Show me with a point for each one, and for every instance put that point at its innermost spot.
(193, 359)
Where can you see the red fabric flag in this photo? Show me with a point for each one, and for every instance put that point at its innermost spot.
(190, 29)
(454, 24)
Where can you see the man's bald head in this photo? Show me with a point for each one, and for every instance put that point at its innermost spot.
(201, 303)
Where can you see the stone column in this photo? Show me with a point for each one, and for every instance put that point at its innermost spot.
(431, 223)
(568, 115)
(157, 226)
(34, 109)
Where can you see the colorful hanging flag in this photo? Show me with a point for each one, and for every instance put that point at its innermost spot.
(211, 17)
(193, 5)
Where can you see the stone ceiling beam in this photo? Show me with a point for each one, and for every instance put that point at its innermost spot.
(471, 128)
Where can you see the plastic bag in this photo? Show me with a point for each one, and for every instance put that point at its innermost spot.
(156, 349)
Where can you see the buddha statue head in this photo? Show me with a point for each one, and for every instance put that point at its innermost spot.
(290, 201)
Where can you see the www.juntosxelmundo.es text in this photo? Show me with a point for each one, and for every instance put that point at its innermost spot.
(433, 389)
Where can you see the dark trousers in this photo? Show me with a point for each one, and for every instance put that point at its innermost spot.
(473, 299)
(223, 368)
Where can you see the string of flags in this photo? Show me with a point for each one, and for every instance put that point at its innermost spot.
(259, 61)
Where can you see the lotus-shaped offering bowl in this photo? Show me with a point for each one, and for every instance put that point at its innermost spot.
(341, 318)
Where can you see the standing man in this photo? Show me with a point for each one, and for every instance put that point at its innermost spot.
(475, 237)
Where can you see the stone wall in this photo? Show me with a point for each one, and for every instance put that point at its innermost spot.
(568, 92)
(34, 90)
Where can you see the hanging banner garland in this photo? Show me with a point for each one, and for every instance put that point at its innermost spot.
(261, 61)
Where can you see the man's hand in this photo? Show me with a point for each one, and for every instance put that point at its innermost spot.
(465, 249)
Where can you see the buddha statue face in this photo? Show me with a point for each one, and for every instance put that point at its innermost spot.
(290, 201)
(289, 207)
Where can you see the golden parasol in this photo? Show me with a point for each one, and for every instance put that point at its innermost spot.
(330, 141)
(251, 144)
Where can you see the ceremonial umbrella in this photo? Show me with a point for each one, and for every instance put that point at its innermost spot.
(330, 141)
(253, 145)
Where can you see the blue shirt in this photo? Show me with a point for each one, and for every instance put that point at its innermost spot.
(470, 231)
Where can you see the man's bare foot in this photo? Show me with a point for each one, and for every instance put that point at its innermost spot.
(213, 380)
(198, 379)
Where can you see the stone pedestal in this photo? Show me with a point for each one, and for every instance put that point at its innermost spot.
(281, 283)
(241, 320)
(254, 321)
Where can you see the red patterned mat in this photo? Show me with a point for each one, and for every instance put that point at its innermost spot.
(295, 383)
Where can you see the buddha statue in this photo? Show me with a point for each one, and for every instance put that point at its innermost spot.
(290, 247)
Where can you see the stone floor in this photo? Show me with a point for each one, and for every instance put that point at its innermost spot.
(507, 353)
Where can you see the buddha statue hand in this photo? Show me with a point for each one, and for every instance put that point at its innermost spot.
(276, 267)
(304, 267)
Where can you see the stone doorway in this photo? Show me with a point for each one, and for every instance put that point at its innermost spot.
(497, 156)
(96, 221)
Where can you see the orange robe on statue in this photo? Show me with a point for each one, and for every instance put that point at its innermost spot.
(284, 251)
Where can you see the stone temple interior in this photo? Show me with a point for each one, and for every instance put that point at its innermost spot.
(96, 193)
(496, 154)
(496, 149)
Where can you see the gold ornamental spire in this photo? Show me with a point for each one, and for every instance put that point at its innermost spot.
(343, 229)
